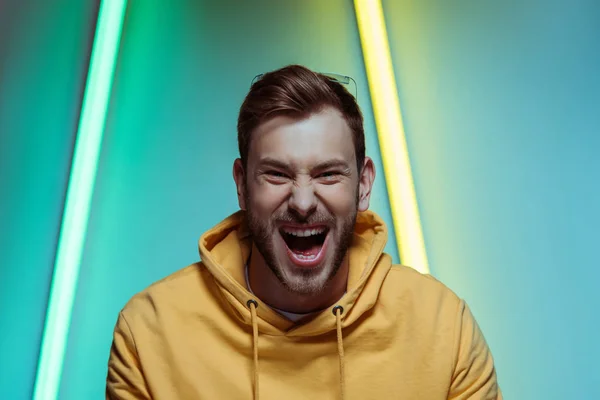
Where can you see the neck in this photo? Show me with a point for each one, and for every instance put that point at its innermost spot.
(270, 290)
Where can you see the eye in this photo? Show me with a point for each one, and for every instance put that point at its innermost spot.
(276, 177)
(329, 175)
(276, 174)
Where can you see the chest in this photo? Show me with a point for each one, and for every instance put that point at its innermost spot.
(210, 362)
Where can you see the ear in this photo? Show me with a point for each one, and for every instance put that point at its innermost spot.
(365, 184)
(239, 176)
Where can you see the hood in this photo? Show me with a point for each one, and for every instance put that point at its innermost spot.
(225, 249)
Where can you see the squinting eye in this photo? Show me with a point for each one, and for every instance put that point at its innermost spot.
(276, 174)
(329, 175)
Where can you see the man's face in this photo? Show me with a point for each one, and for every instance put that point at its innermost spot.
(302, 191)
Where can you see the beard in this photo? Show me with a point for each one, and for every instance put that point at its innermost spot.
(299, 280)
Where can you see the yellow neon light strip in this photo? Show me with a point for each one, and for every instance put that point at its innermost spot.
(392, 141)
(79, 196)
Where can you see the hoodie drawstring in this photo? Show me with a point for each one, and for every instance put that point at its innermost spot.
(338, 311)
(253, 305)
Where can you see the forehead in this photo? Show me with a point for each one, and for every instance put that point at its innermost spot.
(317, 138)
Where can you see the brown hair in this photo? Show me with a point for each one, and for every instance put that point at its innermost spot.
(297, 91)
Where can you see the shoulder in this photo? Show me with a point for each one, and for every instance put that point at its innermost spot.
(422, 291)
(180, 290)
(409, 278)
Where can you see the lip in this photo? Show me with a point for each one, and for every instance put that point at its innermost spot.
(308, 263)
(303, 226)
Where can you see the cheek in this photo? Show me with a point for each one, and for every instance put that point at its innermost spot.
(265, 199)
(339, 199)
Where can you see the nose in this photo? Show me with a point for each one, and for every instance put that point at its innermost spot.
(303, 200)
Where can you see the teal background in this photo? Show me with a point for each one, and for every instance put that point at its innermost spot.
(44, 53)
(501, 108)
(502, 111)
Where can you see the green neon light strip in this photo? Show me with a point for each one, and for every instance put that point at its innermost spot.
(79, 195)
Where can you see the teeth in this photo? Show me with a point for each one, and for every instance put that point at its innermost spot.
(303, 257)
(303, 232)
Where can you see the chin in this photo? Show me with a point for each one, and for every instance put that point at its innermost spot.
(306, 280)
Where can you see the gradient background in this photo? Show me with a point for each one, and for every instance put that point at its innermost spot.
(501, 105)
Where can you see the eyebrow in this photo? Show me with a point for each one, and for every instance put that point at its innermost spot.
(329, 164)
(274, 163)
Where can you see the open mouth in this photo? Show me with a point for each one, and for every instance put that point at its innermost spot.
(305, 245)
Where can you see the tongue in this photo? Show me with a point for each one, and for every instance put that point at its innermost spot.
(306, 246)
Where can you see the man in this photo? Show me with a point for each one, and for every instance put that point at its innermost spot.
(294, 297)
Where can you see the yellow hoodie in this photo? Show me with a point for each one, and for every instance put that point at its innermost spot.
(395, 334)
